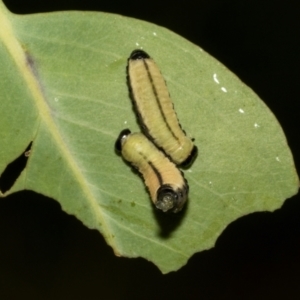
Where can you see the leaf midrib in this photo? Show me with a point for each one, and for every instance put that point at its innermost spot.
(30, 77)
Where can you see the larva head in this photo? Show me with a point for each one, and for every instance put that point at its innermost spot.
(121, 138)
(138, 54)
(169, 199)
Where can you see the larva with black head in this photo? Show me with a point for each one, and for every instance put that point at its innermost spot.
(167, 187)
(155, 109)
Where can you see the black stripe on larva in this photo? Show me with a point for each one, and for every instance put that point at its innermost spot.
(157, 100)
(123, 134)
(135, 106)
(155, 170)
(138, 54)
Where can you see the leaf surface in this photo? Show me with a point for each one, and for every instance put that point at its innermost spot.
(63, 86)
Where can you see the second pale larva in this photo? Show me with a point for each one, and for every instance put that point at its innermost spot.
(155, 109)
(167, 187)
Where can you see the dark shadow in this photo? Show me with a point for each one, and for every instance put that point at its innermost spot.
(168, 222)
(13, 170)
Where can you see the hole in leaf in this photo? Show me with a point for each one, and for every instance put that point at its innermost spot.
(13, 170)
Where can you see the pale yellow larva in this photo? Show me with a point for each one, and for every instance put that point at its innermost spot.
(167, 186)
(155, 109)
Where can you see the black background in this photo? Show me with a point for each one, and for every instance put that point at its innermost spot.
(47, 254)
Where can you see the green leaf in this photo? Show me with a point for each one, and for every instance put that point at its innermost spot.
(63, 86)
